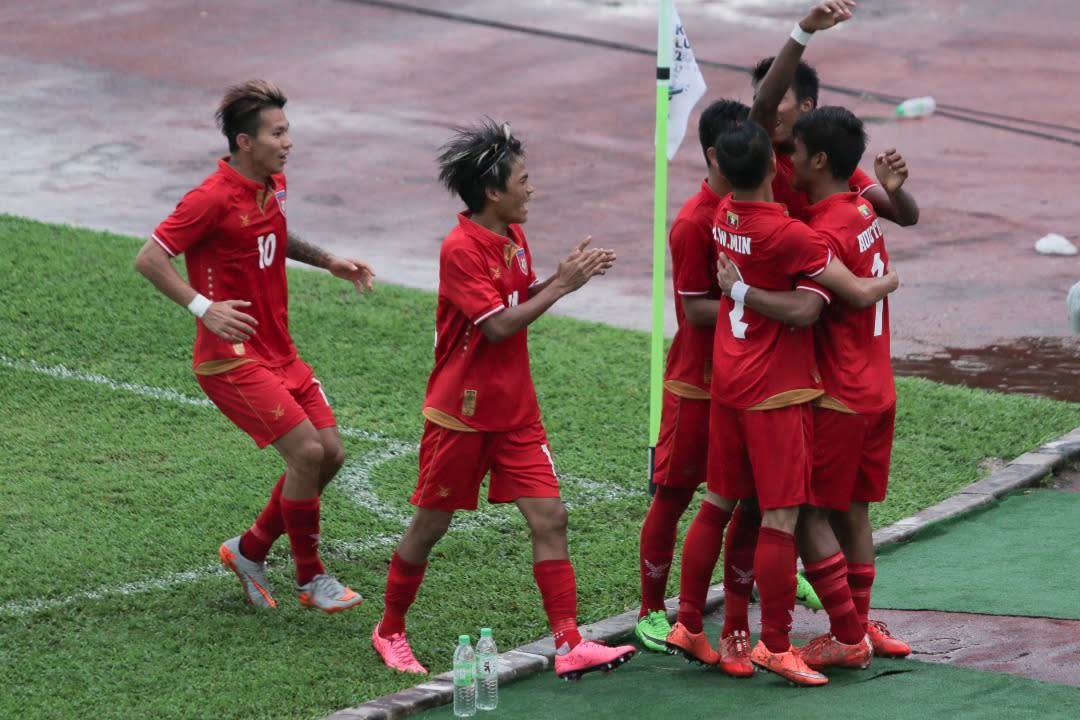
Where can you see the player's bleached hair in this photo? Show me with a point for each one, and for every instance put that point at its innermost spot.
(718, 118)
(743, 154)
(477, 158)
(836, 132)
(238, 112)
(805, 84)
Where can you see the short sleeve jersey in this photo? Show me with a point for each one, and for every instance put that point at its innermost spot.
(484, 385)
(693, 274)
(758, 362)
(796, 200)
(852, 345)
(233, 235)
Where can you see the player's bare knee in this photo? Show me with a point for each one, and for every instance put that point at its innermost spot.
(549, 521)
(308, 456)
(333, 458)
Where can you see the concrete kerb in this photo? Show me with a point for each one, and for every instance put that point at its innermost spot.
(1029, 469)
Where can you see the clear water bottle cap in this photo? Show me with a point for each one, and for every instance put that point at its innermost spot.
(464, 639)
(485, 632)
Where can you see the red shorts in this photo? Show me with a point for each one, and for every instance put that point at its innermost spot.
(851, 457)
(453, 464)
(267, 402)
(762, 452)
(682, 449)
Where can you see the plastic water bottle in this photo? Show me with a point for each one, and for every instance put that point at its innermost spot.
(487, 671)
(916, 107)
(464, 678)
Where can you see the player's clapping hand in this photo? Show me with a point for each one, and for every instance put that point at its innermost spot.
(891, 170)
(582, 264)
(827, 14)
(357, 272)
(225, 319)
(726, 274)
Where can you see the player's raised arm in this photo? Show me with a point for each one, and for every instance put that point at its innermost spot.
(770, 92)
(890, 200)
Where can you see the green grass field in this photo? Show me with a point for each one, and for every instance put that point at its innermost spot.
(118, 480)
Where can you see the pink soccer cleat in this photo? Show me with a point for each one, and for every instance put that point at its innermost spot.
(588, 656)
(395, 652)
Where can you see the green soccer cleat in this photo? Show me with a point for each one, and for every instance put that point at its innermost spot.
(652, 630)
(805, 595)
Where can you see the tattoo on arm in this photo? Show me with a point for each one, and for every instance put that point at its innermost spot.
(307, 253)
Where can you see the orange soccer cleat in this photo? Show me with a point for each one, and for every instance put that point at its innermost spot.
(788, 665)
(885, 645)
(826, 651)
(695, 647)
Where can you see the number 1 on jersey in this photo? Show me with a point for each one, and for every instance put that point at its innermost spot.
(877, 269)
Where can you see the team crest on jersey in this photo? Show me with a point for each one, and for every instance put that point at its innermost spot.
(280, 195)
(732, 219)
(512, 250)
(864, 210)
(468, 403)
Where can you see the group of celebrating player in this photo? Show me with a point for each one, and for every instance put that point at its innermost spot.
(780, 400)
(776, 397)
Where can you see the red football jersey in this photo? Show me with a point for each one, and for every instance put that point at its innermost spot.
(758, 361)
(233, 235)
(487, 386)
(693, 274)
(852, 346)
(796, 200)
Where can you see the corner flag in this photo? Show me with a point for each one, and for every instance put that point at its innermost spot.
(685, 87)
(679, 85)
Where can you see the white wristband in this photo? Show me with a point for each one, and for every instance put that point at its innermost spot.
(800, 36)
(199, 305)
(739, 290)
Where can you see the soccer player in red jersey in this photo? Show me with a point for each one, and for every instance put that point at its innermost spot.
(854, 420)
(232, 232)
(764, 378)
(785, 87)
(481, 410)
(682, 447)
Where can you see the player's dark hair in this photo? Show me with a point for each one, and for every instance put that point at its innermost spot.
(805, 84)
(719, 117)
(477, 158)
(836, 132)
(239, 110)
(743, 155)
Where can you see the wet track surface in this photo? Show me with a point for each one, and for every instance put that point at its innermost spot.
(1047, 367)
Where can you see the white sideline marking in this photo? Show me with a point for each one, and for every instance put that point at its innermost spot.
(59, 371)
(354, 480)
(170, 579)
